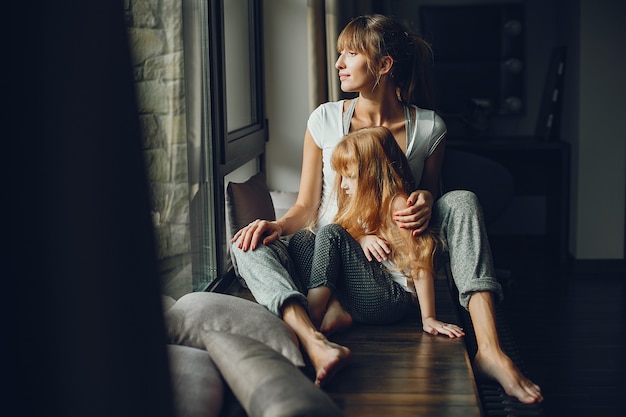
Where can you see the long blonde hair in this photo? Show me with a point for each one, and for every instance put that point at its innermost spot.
(372, 156)
(377, 36)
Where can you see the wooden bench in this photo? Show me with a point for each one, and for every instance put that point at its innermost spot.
(399, 370)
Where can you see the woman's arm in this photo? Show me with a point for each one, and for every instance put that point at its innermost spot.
(302, 212)
(417, 210)
(431, 177)
(307, 204)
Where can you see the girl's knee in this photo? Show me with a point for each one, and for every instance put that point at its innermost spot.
(330, 230)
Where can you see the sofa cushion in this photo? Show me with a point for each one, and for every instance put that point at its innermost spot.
(283, 201)
(248, 201)
(264, 382)
(197, 386)
(167, 302)
(197, 313)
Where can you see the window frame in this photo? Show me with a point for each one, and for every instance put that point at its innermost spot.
(232, 149)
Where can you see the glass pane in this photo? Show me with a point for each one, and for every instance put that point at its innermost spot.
(199, 144)
(239, 65)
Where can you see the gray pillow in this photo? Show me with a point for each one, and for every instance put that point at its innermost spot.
(265, 383)
(197, 313)
(197, 386)
(167, 302)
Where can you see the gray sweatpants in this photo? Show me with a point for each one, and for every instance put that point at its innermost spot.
(272, 278)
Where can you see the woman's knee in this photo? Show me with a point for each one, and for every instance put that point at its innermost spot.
(458, 198)
(458, 204)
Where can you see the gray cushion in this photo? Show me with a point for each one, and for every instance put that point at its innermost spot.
(196, 313)
(265, 383)
(197, 386)
(167, 302)
(283, 201)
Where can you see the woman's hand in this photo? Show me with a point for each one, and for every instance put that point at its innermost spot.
(250, 235)
(435, 327)
(374, 247)
(418, 212)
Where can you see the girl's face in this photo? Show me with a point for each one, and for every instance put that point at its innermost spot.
(353, 73)
(349, 184)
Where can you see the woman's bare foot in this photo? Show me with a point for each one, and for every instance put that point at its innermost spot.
(327, 358)
(335, 319)
(501, 368)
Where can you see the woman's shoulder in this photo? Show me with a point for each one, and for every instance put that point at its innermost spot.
(428, 118)
(329, 107)
(425, 114)
(325, 119)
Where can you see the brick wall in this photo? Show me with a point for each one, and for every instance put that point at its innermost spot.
(155, 36)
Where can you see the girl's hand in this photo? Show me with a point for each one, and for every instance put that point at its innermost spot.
(249, 236)
(435, 327)
(418, 212)
(373, 246)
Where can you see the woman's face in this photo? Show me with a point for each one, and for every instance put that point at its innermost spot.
(353, 73)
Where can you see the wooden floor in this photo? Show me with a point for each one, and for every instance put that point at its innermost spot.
(568, 330)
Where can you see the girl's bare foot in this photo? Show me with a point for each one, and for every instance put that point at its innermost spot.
(502, 369)
(335, 319)
(318, 299)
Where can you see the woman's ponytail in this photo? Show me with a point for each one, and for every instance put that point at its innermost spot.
(417, 87)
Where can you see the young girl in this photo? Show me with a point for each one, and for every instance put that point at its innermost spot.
(373, 181)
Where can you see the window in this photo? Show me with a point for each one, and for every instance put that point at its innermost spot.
(224, 86)
(198, 73)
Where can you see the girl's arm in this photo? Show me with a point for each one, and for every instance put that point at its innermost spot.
(425, 288)
(374, 247)
(303, 211)
(416, 212)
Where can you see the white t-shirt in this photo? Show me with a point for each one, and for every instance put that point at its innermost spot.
(328, 125)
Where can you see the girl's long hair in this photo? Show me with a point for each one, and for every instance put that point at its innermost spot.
(378, 36)
(372, 156)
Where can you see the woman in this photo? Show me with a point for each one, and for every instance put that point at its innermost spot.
(388, 68)
(373, 181)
